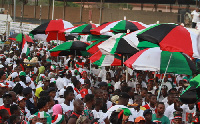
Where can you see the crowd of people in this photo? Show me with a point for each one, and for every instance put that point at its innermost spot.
(71, 90)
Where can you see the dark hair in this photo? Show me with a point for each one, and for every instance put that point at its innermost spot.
(13, 118)
(52, 84)
(144, 88)
(88, 98)
(128, 89)
(18, 88)
(117, 92)
(13, 108)
(98, 101)
(42, 101)
(114, 118)
(173, 89)
(149, 93)
(43, 93)
(160, 103)
(23, 78)
(152, 95)
(68, 90)
(2, 112)
(123, 88)
(76, 82)
(1, 73)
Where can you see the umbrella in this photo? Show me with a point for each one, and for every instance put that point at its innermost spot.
(173, 38)
(192, 93)
(70, 48)
(118, 44)
(145, 44)
(52, 28)
(118, 26)
(105, 60)
(82, 29)
(154, 59)
(18, 37)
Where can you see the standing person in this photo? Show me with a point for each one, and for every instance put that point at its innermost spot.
(148, 116)
(7, 100)
(89, 103)
(152, 103)
(78, 110)
(159, 116)
(195, 18)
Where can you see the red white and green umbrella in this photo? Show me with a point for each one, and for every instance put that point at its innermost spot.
(81, 29)
(154, 59)
(120, 26)
(19, 36)
(173, 38)
(52, 28)
(70, 48)
(119, 44)
(105, 60)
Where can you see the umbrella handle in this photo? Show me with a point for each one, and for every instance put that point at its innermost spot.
(164, 77)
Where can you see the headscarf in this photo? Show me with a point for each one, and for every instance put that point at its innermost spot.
(57, 109)
(58, 119)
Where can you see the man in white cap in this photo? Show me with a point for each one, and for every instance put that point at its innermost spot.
(15, 79)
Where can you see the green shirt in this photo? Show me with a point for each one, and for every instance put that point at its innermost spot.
(164, 119)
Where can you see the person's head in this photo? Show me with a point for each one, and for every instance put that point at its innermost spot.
(77, 84)
(99, 102)
(148, 96)
(21, 101)
(108, 76)
(7, 99)
(84, 74)
(150, 84)
(89, 98)
(51, 101)
(139, 78)
(2, 75)
(123, 99)
(33, 119)
(160, 108)
(52, 92)
(103, 85)
(4, 114)
(144, 92)
(173, 90)
(42, 104)
(138, 100)
(130, 91)
(147, 115)
(78, 106)
(15, 110)
(138, 87)
(14, 119)
(98, 93)
(69, 94)
(164, 90)
(15, 77)
(42, 117)
(105, 95)
(191, 106)
(27, 92)
(46, 81)
(197, 9)
(153, 100)
(107, 68)
(28, 69)
(170, 98)
(14, 96)
(177, 118)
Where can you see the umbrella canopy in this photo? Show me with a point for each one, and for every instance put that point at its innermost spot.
(18, 37)
(70, 48)
(192, 93)
(52, 28)
(93, 48)
(154, 59)
(118, 26)
(145, 44)
(105, 60)
(82, 29)
(119, 44)
(173, 38)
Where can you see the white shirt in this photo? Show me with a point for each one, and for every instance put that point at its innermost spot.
(61, 82)
(95, 71)
(67, 108)
(117, 85)
(102, 116)
(195, 16)
(102, 74)
(136, 113)
(168, 84)
(169, 112)
(109, 104)
(187, 111)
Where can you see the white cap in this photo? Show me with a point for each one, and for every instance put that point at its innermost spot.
(52, 79)
(14, 75)
(28, 79)
(1, 66)
(61, 92)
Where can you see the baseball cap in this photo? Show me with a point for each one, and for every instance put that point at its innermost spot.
(140, 118)
(148, 111)
(6, 94)
(14, 75)
(61, 92)
(20, 98)
(22, 73)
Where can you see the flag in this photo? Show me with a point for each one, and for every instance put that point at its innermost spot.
(25, 48)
